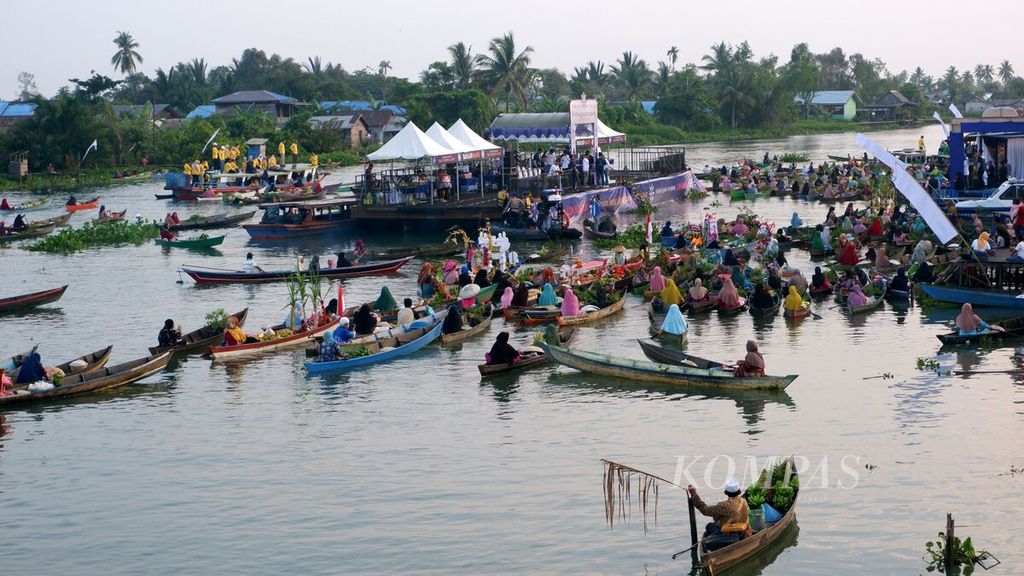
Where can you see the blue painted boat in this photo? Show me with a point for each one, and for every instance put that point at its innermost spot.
(383, 350)
(973, 296)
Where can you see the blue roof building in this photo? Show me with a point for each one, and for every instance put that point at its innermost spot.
(359, 106)
(836, 104)
(202, 111)
(12, 112)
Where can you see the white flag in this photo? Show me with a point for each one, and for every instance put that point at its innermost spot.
(94, 146)
(941, 123)
(212, 136)
(955, 111)
(912, 191)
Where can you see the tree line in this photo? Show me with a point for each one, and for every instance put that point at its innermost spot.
(729, 88)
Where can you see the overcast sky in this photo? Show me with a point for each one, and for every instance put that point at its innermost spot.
(61, 39)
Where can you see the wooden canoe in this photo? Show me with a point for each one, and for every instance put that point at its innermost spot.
(207, 275)
(30, 206)
(676, 357)
(212, 222)
(765, 313)
(200, 340)
(87, 205)
(467, 332)
(51, 222)
(420, 252)
(102, 379)
(646, 371)
(93, 362)
(296, 339)
(588, 318)
(13, 361)
(1012, 329)
(531, 360)
(553, 255)
(192, 243)
(698, 306)
(733, 310)
(593, 233)
(801, 312)
(870, 306)
(32, 300)
(25, 233)
(111, 217)
(717, 561)
(820, 292)
(383, 350)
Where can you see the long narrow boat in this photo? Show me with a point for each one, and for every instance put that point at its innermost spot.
(676, 357)
(731, 310)
(721, 559)
(111, 217)
(200, 340)
(11, 362)
(802, 312)
(51, 222)
(25, 233)
(874, 304)
(103, 379)
(645, 371)
(192, 242)
(287, 220)
(214, 221)
(93, 362)
(764, 313)
(295, 339)
(1012, 329)
(420, 252)
(383, 350)
(31, 300)
(820, 292)
(591, 317)
(206, 275)
(87, 205)
(529, 357)
(467, 332)
(592, 233)
(973, 296)
(30, 206)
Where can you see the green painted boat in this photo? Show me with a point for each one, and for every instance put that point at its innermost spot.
(192, 243)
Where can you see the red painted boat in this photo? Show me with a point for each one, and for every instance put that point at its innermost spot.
(204, 275)
(87, 205)
(31, 300)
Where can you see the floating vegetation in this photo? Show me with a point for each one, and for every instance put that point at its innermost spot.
(632, 237)
(792, 157)
(91, 235)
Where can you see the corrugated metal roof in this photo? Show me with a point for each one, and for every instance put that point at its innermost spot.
(828, 98)
(253, 97)
(19, 109)
(203, 111)
(360, 106)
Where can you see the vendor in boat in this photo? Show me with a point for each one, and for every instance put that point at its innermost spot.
(900, 282)
(342, 262)
(670, 294)
(697, 292)
(762, 298)
(502, 352)
(819, 280)
(19, 222)
(330, 350)
(753, 363)
(451, 273)
(881, 258)
(733, 511)
(657, 283)
(426, 281)
(249, 265)
(167, 234)
(547, 296)
(314, 264)
(666, 230)
(359, 251)
(856, 297)
(795, 222)
(728, 296)
(968, 323)
(4, 205)
(570, 303)
(729, 258)
(453, 320)
(522, 295)
(103, 212)
(72, 201)
(364, 321)
(798, 281)
(773, 280)
(31, 369)
(234, 335)
(169, 335)
(406, 315)
(481, 279)
(794, 301)
(507, 297)
(674, 323)
(342, 334)
(849, 256)
(465, 277)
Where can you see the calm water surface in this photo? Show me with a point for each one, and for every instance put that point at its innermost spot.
(419, 467)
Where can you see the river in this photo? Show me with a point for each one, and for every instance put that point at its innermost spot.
(418, 467)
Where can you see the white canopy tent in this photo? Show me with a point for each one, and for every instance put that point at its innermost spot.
(466, 151)
(466, 135)
(410, 144)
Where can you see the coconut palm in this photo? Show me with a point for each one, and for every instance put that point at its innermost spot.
(198, 70)
(126, 56)
(631, 73)
(984, 73)
(1006, 72)
(384, 67)
(463, 64)
(315, 67)
(505, 68)
(718, 60)
(673, 55)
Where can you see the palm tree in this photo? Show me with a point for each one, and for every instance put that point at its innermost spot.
(1006, 72)
(315, 67)
(631, 73)
(384, 67)
(662, 78)
(984, 73)
(198, 70)
(463, 64)
(506, 69)
(126, 56)
(673, 55)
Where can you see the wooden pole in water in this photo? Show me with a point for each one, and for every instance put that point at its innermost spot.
(949, 542)
(693, 527)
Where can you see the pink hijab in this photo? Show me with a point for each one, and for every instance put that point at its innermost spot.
(657, 280)
(881, 259)
(570, 303)
(968, 321)
(506, 297)
(856, 297)
(728, 295)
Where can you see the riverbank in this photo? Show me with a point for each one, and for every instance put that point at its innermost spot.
(659, 134)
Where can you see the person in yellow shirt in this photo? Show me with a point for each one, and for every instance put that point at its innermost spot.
(502, 197)
(294, 149)
(234, 153)
(314, 160)
(272, 161)
(280, 151)
(215, 155)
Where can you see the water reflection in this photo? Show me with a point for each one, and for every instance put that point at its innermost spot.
(504, 390)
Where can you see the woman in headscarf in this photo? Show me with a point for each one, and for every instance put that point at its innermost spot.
(739, 228)
(967, 323)
(342, 262)
(753, 363)
(464, 276)
(522, 295)
(793, 301)
(329, 349)
(452, 320)
(849, 255)
(858, 227)
(728, 296)
(426, 280)
(359, 251)
(548, 276)
(506, 297)
(977, 223)
(875, 230)
(773, 280)
(502, 352)
(666, 230)
(657, 280)
(364, 321)
(451, 273)
(570, 303)
(981, 245)
(674, 323)
(819, 280)
(31, 369)
(670, 294)
(761, 298)
(697, 291)
(547, 295)
(856, 297)
(795, 222)
(729, 258)
(314, 264)
(881, 258)
(849, 212)
(233, 333)
(921, 251)
(798, 281)
(919, 225)
(900, 282)
(481, 278)
(342, 334)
